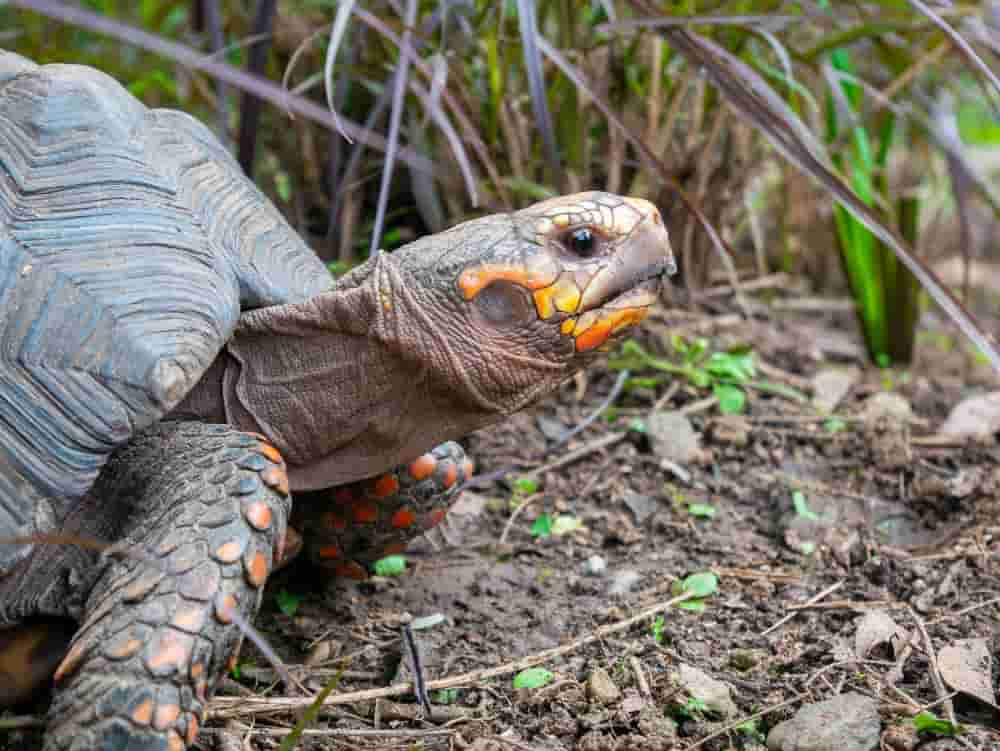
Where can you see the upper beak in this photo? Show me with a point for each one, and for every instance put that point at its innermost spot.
(643, 255)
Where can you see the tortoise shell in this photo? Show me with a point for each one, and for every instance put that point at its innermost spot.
(130, 242)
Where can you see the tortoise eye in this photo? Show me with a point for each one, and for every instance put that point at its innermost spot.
(582, 242)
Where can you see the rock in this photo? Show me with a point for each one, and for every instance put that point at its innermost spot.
(976, 418)
(831, 386)
(641, 506)
(875, 629)
(731, 429)
(673, 438)
(966, 666)
(601, 688)
(595, 566)
(716, 695)
(848, 722)
(887, 404)
(623, 582)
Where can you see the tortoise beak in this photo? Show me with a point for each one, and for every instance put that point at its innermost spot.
(631, 277)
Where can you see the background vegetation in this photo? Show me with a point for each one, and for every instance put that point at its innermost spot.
(716, 110)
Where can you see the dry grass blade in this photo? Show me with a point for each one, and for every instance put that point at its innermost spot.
(399, 86)
(263, 22)
(471, 135)
(747, 94)
(530, 39)
(213, 23)
(440, 119)
(336, 37)
(963, 46)
(672, 21)
(190, 58)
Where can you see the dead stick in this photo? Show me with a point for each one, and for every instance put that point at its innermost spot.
(812, 601)
(225, 706)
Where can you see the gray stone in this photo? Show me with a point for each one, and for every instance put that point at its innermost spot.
(673, 437)
(595, 566)
(848, 722)
(601, 688)
(716, 695)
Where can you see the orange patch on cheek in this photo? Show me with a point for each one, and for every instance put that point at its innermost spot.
(475, 280)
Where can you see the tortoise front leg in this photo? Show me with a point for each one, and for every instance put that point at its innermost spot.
(206, 509)
(349, 527)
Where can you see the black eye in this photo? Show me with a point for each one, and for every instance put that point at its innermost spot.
(582, 242)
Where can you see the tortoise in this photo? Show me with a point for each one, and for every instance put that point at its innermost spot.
(176, 363)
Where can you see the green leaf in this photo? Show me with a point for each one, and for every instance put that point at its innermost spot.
(658, 629)
(533, 678)
(695, 606)
(802, 508)
(445, 696)
(700, 378)
(391, 565)
(701, 510)
(288, 603)
(542, 526)
(564, 524)
(525, 485)
(638, 425)
(283, 186)
(928, 722)
(834, 425)
(702, 584)
(737, 367)
(732, 399)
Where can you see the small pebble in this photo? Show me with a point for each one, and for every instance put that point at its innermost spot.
(595, 566)
(623, 582)
(600, 687)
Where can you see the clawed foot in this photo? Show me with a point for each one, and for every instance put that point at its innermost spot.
(351, 526)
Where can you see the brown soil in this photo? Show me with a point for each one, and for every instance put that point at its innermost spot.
(916, 535)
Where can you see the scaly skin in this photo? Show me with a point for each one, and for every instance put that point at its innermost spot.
(349, 527)
(210, 509)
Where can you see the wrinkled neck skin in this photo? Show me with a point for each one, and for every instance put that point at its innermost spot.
(369, 375)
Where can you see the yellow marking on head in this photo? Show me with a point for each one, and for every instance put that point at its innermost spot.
(563, 296)
(567, 326)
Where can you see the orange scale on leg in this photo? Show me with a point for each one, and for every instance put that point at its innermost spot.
(422, 467)
(329, 552)
(365, 513)
(335, 521)
(468, 468)
(450, 475)
(403, 518)
(351, 570)
(385, 486)
(343, 495)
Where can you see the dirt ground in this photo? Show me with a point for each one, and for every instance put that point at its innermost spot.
(889, 520)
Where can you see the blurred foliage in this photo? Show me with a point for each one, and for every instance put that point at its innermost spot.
(890, 95)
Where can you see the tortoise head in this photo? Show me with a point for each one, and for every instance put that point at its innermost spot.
(524, 300)
(444, 336)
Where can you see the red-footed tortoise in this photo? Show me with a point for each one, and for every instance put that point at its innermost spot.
(175, 363)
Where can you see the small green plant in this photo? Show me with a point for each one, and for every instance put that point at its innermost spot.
(801, 506)
(702, 510)
(931, 724)
(445, 696)
(288, 603)
(533, 678)
(542, 526)
(701, 585)
(692, 709)
(728, 374)
(659, 629)
(391, 565)
(751, 730)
